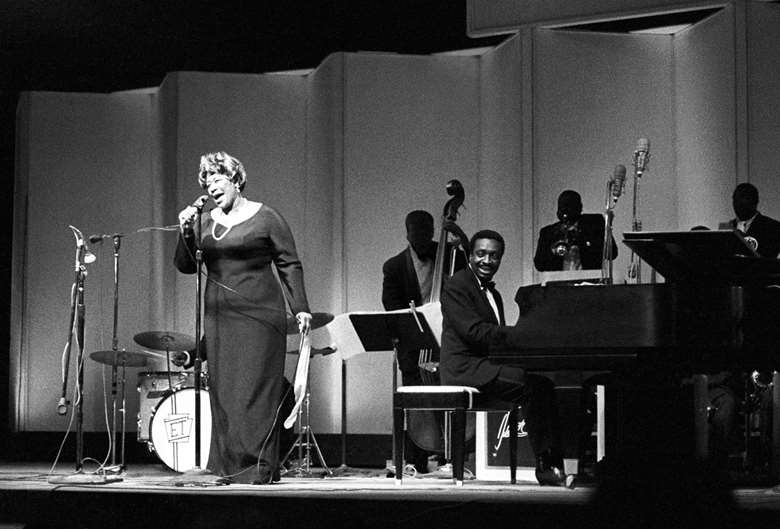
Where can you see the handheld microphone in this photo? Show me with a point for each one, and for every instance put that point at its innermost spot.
(641, 155)
(62, 407)
(618, 181)
(200, 202)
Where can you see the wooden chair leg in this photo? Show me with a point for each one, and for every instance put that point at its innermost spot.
(399, 441)
(513, 416)
(458, 443)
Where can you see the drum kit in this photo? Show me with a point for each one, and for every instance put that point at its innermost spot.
(166, 408)
(166, 398)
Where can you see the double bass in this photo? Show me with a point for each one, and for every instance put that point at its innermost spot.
(426, 428)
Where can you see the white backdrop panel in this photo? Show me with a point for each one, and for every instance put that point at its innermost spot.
(764, 103)
(594, 96)
(89, 161)
(705, 120)
(411, 124)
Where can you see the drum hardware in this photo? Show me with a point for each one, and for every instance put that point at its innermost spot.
(165, 341)
(318, 319)
(325, 351)
(304, 442)
(168, 341)
(123, 358)
(305, 439)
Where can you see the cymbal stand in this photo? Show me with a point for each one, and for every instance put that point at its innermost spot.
(343, 468)
(304, 443)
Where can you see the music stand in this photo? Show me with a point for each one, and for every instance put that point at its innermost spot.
(394, 331)
(699, 254)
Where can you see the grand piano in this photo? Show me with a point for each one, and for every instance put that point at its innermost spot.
(718, 308)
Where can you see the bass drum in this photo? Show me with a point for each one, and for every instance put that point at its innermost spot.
(172, 429)
(153, 386)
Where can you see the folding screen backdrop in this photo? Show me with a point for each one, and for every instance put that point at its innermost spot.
(346, 151)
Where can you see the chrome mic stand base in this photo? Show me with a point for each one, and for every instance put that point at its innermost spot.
(304, 443)
(81, 478)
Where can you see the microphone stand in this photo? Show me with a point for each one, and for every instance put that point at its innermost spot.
(198, 353)
(634, 273)
(198, 475)
(77, 314)
(114, 368)
(609, 215)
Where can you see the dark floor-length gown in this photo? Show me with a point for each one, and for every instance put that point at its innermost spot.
(245, 333)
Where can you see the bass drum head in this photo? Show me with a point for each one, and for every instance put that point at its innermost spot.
(172, 429)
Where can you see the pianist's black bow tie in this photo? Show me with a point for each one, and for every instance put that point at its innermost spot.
(488, 285)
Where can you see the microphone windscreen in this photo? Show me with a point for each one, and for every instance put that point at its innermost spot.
(618, 180)
(200, 201)
(620, 173)
(643, 145)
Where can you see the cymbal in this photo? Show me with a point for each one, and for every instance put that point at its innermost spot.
(126, 358)
(325, 351)
(165, 341)
(318, 319)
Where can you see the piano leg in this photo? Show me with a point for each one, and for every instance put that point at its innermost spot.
(701, 407)
(775, 463)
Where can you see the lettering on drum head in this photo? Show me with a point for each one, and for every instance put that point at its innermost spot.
(178, 427)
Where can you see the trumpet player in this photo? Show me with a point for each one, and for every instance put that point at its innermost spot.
(575, 242)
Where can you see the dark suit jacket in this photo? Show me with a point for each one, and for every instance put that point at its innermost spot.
(590, 237)
(399, 287)
(766, 231)
(399, 280)
(470, 328)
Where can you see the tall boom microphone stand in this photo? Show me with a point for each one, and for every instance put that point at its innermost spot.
(198, 475)
(609, 216)
(198, 353)
(114, 367)
(77, 315)
(641, 156)
(614, 190)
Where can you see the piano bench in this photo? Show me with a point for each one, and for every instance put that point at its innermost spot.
(456, 401)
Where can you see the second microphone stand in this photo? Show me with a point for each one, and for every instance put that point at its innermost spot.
(614, 189)
(115, 368)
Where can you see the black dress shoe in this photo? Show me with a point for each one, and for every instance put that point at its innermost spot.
(554, 477)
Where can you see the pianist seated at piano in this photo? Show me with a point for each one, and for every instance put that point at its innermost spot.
(762, 233)
(473, 322)
(575, 242)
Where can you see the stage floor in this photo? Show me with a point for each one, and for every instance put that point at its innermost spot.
(151, 495)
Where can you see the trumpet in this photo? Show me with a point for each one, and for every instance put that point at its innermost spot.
(569, 236)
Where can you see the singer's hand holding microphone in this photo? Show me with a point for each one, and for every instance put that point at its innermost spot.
(187, 215)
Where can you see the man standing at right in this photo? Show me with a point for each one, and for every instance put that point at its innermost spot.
(761, 232)
(473, 323)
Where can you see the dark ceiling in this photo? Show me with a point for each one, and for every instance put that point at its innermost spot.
(109, 45)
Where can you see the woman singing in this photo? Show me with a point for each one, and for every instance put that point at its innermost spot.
(244, 317)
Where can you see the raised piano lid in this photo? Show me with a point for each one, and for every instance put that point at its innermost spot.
(712, 255)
